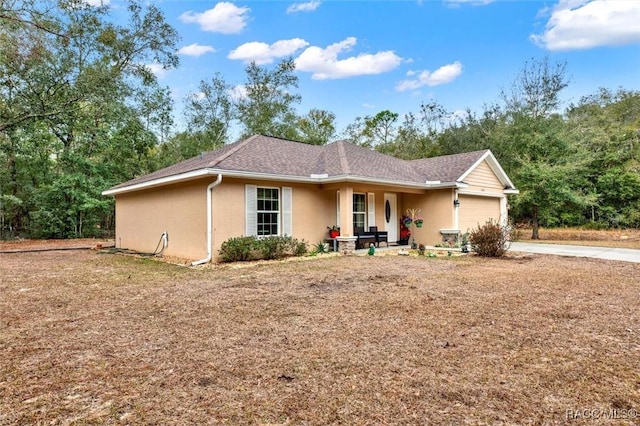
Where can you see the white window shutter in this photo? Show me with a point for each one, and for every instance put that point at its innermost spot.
(251, 210)
(371, 198)
(287, 220)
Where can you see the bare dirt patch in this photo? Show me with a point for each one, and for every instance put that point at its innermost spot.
(41, 245)
(88, 338)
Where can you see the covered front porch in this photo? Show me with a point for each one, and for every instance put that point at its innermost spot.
(361, 211)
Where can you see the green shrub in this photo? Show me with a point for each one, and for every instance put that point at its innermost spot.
(275, 247)
(253, 248)
(300, 248)
(490, 239)
(239, 249)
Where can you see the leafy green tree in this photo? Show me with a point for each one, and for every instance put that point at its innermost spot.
(373, 131)
(71, 81)
(268, 104)
(607, 125)
(317, 127)
(209, 112)
(380, 129)
(417, 136)
(533, 138)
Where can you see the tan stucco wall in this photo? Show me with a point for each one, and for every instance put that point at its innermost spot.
(313, 209)
(436, 208)
(142, 217)
(180, 209)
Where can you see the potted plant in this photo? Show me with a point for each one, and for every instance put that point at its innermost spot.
(406, 221)
(334, 231)
(405, 233)
(464, 242)
(421, 249)
(418, 221)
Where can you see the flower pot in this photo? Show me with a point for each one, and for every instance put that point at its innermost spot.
(418, 224)
(334, 234)
(407, 223)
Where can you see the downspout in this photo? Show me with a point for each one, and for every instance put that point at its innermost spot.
(456, 210)
(212, 185)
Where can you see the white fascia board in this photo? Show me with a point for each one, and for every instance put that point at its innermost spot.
(315, 178)
(511, 191)
(326, 179)
(481, 193)
(446, 185)
(162, 181)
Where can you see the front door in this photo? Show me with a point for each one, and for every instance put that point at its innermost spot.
(391, 216)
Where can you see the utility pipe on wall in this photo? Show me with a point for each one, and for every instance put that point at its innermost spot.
(217, 182)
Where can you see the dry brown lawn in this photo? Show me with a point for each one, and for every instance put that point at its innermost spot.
(621, 238)
(90, 338)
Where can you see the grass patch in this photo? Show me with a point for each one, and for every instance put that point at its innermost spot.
(92, 339)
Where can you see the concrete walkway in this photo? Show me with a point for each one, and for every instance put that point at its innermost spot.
(609, 253)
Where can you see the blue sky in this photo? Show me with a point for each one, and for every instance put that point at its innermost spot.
(357, 58)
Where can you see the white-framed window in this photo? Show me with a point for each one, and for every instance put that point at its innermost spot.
(268, 210)
(359, 210)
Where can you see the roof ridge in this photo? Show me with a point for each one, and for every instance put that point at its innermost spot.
(342, 155)
(232, 151)
(450, 155)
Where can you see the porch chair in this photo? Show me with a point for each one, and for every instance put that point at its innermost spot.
(364, 239)
(381, 236)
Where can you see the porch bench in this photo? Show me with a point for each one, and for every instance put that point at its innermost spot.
(364, 238)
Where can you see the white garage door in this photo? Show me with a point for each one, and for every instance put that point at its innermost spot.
(476, 211)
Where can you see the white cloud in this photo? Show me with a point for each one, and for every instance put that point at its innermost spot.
(263, 53)
(444, 74)
(195, 50)
(157, 69)
(584, 24)
(225, 18)
(303, 7)
(238, 92)
(197, 96)
(324, 63)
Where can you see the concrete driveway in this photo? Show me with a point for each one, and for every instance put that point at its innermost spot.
(609, 253)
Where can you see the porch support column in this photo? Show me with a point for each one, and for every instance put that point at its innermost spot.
(346, 211)
(346, 240)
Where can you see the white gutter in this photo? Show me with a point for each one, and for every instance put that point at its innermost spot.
(207, 259)
(196, 174)
(313, 178)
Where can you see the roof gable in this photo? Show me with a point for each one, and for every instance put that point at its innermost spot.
(269, 157)
(449, 168)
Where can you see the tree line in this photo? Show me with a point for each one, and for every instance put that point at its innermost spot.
(80, 112)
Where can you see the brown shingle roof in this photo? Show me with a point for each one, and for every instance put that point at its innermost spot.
(448, 168)
(273, 156)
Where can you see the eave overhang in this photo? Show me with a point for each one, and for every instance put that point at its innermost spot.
(311, 179)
